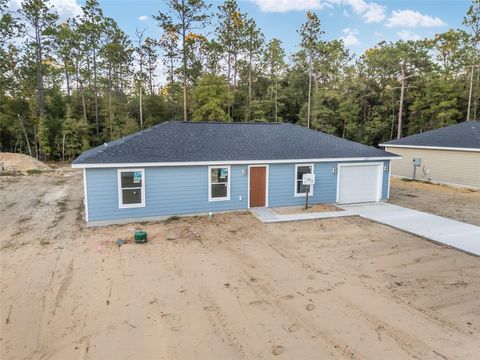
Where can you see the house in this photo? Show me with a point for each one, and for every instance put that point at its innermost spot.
(200, 167)
(450, 155)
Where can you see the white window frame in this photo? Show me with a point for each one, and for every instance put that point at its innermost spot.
(210, 168)
(295, 181)
(121, 205)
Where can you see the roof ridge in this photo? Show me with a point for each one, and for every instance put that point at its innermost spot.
(232, 122)
(114, 143)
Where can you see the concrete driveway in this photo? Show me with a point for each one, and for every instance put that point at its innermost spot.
(450, 232)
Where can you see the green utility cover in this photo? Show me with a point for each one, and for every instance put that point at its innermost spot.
(140, 236)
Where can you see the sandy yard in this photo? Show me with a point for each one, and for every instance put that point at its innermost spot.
(455, 203)
(226, 288)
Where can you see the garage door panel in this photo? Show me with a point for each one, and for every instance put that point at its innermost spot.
(359, 183)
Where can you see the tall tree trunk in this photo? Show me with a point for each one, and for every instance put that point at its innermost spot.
(475, 96)
(150, 80)
(250, 87)
(110, 110)
(26, 136)
(470, 92)
(309, 102)
(276, 100)
(95, 90)
(35, 140)
(77, 76)
(84, 105)
(234, 82)
(184, 73)
(472, 72)
(67, 78)
(172, 87)
(63, 147)
(38, 52)
(140, 104)
(81, 90)
(229, 75)
(400, 109)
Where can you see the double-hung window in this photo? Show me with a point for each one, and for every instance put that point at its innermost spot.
(300, 170)
(131, 188)
(218, 183)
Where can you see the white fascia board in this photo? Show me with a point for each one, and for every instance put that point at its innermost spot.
(429, 147)
(228, 162)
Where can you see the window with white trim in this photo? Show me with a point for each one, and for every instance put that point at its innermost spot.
(218, 183)
(131, 188)
(300, 170)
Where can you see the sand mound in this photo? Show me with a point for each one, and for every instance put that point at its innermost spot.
(19, 162)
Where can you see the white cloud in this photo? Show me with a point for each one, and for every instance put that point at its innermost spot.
(412, 19)
(143, 18)
(374, 14)
(371, 12)
(288, 5)
(350, 38)
(64, 8)
(408, 35)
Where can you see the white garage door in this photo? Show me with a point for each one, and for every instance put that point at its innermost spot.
(359, 183)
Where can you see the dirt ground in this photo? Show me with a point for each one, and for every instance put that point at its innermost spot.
(226, 288)
(455, 203)
(302, 210)
(14, 162)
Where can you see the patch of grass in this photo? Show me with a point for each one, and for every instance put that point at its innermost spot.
(60, 181)
(34, 172)
(79, 217)
(62, 205)
(172, 219)
(38, 202)
(61, 208)
(10, 173)
(38, 171)
(24, 219)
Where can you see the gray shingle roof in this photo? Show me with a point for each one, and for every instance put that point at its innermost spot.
(206, 141)
(462, 135)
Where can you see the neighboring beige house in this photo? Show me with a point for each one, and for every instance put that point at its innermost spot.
(450, 155)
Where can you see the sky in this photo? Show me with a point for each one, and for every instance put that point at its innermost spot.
(360, 23)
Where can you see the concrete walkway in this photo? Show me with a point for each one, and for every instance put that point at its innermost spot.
(442, 230)
(267, 215)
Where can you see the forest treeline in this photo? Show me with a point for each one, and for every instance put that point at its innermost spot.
(66, 86)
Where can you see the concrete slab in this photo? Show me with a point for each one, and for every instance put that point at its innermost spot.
(267, 215)
(446, 231)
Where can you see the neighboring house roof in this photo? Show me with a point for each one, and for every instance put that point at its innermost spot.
(173, 143)
(463, 136)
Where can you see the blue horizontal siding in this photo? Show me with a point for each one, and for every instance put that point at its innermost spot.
(184, 190)
(168, 191)
(281, 186)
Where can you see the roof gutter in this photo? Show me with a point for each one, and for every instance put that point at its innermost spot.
(430, 147)
(227, 162)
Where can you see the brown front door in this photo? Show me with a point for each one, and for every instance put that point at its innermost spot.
(258, 186)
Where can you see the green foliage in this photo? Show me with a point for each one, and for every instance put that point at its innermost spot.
(209, 98)
(65, 87)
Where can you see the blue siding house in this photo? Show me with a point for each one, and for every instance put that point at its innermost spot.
(179, 168)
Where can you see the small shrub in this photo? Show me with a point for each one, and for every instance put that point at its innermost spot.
(172, 219)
